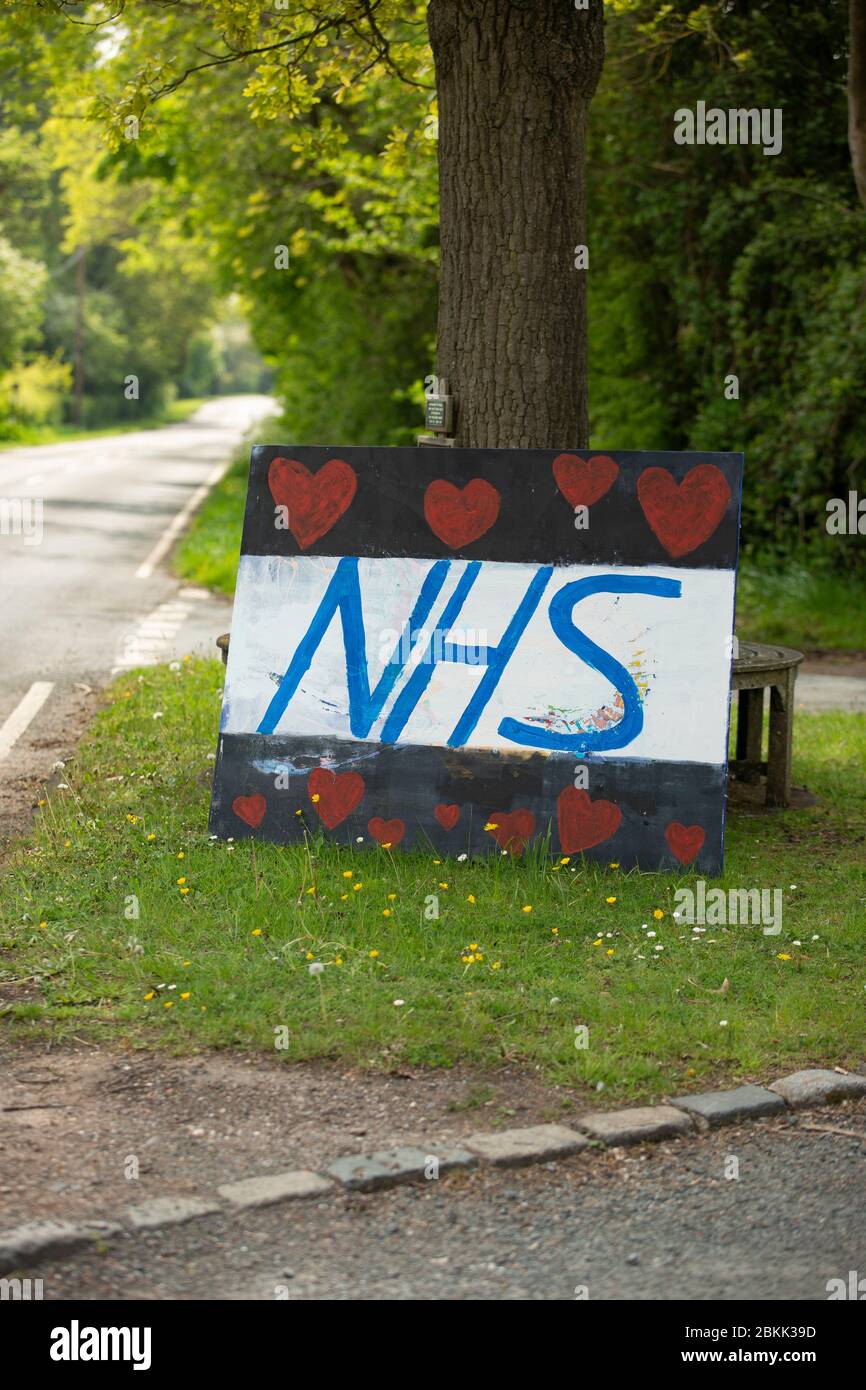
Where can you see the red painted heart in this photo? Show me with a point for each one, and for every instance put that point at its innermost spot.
(683, 515)
(685, 841)
(512, 830)
(459, 516)
(334, 797)
(315, 501)
(250, 809)
(582, 483)
(583, 822)
(447, 816)
(386, 832)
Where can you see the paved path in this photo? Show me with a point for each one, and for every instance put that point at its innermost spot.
(93, 594)
(818, 693)
(661, 1222)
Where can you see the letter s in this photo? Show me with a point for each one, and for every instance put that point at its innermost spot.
(561, 607)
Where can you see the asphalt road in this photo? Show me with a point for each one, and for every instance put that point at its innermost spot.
(661, 1222)
(84, 530)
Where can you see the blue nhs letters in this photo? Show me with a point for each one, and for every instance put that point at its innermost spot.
(343, 595)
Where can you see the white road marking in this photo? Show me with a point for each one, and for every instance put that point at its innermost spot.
(23, 714)
(153, 638)
(174, 528)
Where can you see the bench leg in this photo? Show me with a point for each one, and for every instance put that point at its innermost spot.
(750, 722)
(781, 728)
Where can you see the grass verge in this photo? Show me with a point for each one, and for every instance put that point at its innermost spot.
(123, 920)
(801, 608)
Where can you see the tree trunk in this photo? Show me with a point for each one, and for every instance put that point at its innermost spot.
(857, 95)
(514, 80)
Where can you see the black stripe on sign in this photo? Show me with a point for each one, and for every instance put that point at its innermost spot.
(535, 521)
(670, 815)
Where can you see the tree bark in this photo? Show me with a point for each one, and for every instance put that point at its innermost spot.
(857, 95)
(514, 80)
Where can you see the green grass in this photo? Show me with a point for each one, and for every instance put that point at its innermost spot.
(208, 553)
(133, 822)
(800, 608)
(175, 414)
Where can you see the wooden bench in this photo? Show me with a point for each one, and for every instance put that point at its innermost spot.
(758, 665)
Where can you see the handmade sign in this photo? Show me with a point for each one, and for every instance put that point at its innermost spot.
(471, 650)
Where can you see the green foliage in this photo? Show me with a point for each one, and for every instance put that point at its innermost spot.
(22, 284)
(718, 260)
(32, 393)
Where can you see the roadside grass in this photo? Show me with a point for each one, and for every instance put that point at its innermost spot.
(208, 553)
(801, 607)
(175, 413)
(227, 962)
(797, 607)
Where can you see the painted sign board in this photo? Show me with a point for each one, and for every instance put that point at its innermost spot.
(483, 650)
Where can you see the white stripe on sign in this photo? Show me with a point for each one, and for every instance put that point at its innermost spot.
(153, 639)
(662, 644)
(23, 714)
(174, 528)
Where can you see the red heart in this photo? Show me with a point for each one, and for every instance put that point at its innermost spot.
(512, 830)
(386, 832)
(315, 501)
(684, 840)
(457, 516)
(583, 483)
(582, 822)
(683, 515)
(338, 795)
(447, 816)
(250, 809)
